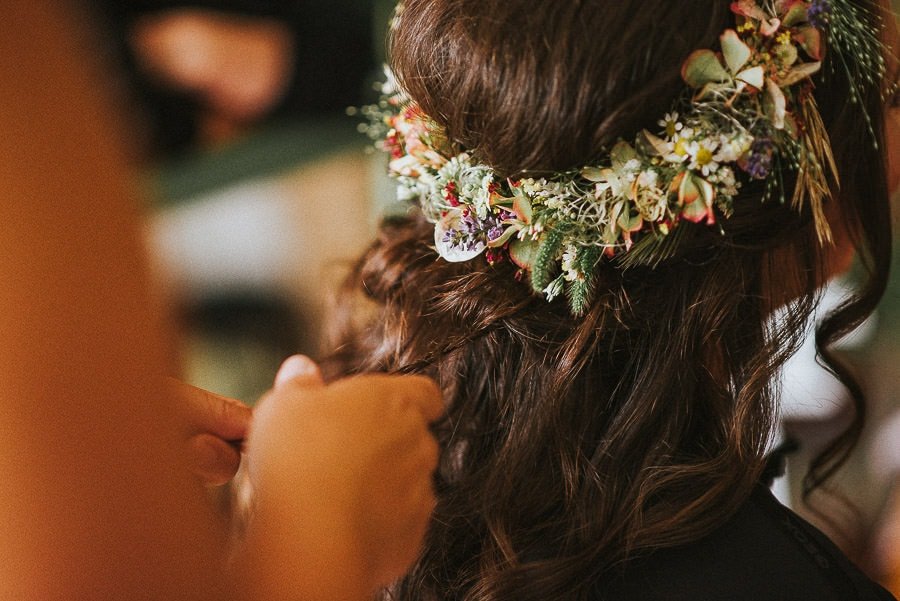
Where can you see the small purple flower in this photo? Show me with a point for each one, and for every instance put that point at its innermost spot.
(461, 241)
(818, 13)
(473, 232)
(759, 163)
(469, 223)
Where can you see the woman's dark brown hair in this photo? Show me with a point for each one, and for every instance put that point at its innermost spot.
(572, 444)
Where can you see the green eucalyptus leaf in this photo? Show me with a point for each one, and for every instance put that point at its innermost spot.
(593, 174)
(707, 192)
(629, 222)
(688, 192)
(617, 208)
(621, 153)
(749, 9)
(775, 104)
(507, 235)
(522, 208)
(695, 211)
(734, 50)
(769, 27)
(611, 234)
(703, 67)
(523, 253)
(698, 195)
(755, 76)
(496, 200)
(652, 144)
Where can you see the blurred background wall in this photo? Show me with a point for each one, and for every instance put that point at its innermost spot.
(262, 188)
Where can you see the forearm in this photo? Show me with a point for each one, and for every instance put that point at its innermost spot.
(94, 499)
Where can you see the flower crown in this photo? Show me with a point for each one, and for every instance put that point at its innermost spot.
(751, 115)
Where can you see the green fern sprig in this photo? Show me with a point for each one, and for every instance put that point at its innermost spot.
(546, 261)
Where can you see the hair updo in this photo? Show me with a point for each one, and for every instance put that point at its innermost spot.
(571, 444)
(538, 88)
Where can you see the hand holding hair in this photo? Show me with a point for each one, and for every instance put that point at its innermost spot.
(342, 481)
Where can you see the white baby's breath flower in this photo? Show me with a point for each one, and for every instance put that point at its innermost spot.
(632, 166)
(728, 183)
(733, 147)
(726, 176)
(530, 186)
(453, 169)
(555, 203)
(648, 178)
(569, 268)
(406, 166)
(480, 189)
(408, 191)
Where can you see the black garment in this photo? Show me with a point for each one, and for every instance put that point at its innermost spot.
(764, 553)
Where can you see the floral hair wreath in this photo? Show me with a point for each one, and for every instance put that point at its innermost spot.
(751, 116)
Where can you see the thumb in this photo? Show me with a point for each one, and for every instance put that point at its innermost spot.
(298, 369)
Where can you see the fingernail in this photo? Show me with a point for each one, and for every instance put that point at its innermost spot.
(213, 460)
(294, 367)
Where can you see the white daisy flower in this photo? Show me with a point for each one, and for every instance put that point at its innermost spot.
(677, 146)
(702, 156)
(670, 124)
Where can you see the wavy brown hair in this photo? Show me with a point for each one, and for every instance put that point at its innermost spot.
(572, 444)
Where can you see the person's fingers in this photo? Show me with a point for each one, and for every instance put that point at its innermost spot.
(297, 375)
(213, 460)
(298, 369)
(225, 417)
(431, 453)
(420, 392)
(423, 392)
